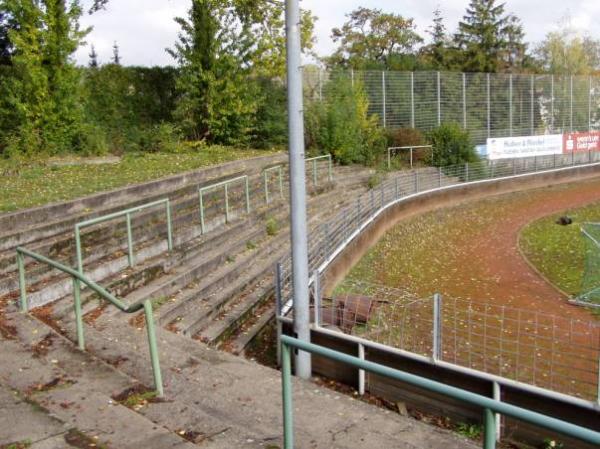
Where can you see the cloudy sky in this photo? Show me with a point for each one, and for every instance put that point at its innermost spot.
(144, 28)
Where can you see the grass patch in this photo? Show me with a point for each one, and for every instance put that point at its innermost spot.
(272, 226)
(17, 445)
(35, 184)
(558, 252)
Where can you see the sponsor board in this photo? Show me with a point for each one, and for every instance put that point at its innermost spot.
(577, 142)
(511, 147)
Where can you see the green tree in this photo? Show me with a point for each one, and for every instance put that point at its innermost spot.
(451, 145)
(437, 54)
(486, 35)
(6, 24)
(372, 38)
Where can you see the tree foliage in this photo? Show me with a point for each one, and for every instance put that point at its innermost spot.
(371, 36)
(451, 145)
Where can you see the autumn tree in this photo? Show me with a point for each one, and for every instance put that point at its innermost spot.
(371, 37)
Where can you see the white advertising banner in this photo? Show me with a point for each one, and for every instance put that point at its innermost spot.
(511, 147)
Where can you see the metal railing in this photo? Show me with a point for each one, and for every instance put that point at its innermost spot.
(315, 173)
(125, 213)
(79, 278)
(491, 407)
(411, 148)
(266, 173)
(225, 184)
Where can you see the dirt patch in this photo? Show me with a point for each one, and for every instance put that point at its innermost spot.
(78, 439)
(136, 397)
(46, 315)
(42, 347)
(92, 316)
(57, 382)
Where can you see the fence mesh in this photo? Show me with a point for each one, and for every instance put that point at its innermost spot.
(590, 286)
(488, 105)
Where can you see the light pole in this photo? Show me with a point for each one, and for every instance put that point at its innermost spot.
(297, 185)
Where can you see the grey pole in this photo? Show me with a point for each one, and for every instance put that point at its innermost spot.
(571, 107)
(489, 112)
(299, 232)
(510, 104)
(412, 99)
(464, 99)
(439, 99)
(552, 103)
(532, 106)
(384, 99)
(590, 105)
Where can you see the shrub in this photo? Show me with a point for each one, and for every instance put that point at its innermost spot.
(163, 137)
(272, 226)
(451, 145)
(91, 140)
(342, 126)
(405, 137)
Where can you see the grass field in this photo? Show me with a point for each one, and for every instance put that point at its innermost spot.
(37, 183)
(558, 252)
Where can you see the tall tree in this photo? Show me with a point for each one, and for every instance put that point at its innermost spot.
(93, 58)
(482, 35)
(438, 53)
(372, 37)
(6, 24)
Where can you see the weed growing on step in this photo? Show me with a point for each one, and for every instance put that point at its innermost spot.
(78, 439)
(230, 259)
(17, 445)
(272, 226)
(250, 245)
(472, 431)
(136, 397)
(549, 443)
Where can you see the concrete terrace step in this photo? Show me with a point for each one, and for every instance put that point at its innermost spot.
(76, 390)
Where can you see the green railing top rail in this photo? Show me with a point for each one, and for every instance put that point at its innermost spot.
(316, 158)
(273, 168)
(222, 183)
(79, 278)
(490, 406)
(123, 213)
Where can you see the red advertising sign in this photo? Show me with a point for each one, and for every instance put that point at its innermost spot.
(576, 142)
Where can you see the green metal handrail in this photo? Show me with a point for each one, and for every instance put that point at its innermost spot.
(79, 278)
(266, 172)
(314, 161)
(490, 406)
(224, 184)
(126, 213)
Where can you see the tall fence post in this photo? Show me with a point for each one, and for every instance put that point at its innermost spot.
(437, 327)
(552, 103)
(412, 99)
(315, 174)
(330, 169)
(266, 186)
(464, 99)
(384, 116)
(510, 104)
(439, 98)
(489, 108)
(532, 105)
(416, 181)
(317, 298)
(590, 104)
(278, 301)
(571, 106)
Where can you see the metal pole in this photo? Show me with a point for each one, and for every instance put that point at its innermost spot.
(412, 99)
(129, 241)
(317, 297)
(266, 188)
(278, 310)
(489, 112)
(169, 226)
(158, 385)
(286, 380)
(489, 429)
(411, 157)
(315, 173)
(571, 108)
(532, 105)
(498, 397)
(464, 99)
(22, 286)
(552, 102)
(361, 372)
(437, 327)
(330, 169)
(590, 104)
(247, 195)
(78, 249)
(299, 237)
(202, 225)
(352, 77)
(384, 99)
(78, 314)
(226, 204)
(510, 104)
(439, 98)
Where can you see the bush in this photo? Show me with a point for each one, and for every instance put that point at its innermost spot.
(91, 140)
(164, 137)
(405, 137)
(342, 126)
(451, 145)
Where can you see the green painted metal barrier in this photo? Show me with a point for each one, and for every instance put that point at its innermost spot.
(225, 185)
(125, 213)
(266, 174)
(79, 278)
(490, 406)
(314, 161)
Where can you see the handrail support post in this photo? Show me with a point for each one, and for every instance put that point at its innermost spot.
(22, 285)
(129, 241)
(78, 313)
(158, 385)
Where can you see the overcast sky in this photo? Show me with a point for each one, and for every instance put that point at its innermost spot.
(144, 28)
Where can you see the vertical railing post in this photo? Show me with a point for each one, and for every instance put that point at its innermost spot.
(464, 99)
(532, 105)
(169, 226)
(437, 327)
(266, 187)
(412, 99)
(361, 372)
(247, 195)
(317, 297)
(330, 168)
(286, 380)
(510, 104)
(552, 102)
(129, 241)
(226, 203)
(154, 357)
(22, 285)
(281, 181)
(498, 397)
(278, 306)
(590, 104)
(439, 98)
(315, 174)
(466, 172)
(78, 249)
(489, 429)
(571, 106)
(201, 201)
(411, 157)
(384, 99)
(78, 314)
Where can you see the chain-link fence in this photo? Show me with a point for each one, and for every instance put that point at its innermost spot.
(496, 344)
(487, 105)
